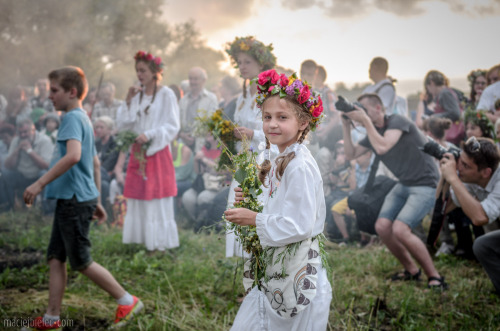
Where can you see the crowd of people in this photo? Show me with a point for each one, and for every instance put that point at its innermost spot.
(373, 149)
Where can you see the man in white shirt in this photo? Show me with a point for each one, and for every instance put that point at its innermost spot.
(28, 157)
(382, 84)
(476, 189)
(197, 98)
(107, 104)
(489, 97)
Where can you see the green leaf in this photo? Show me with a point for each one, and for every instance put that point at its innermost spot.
(240, 175)
(282, 93)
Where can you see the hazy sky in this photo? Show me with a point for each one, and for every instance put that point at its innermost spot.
(453, 36)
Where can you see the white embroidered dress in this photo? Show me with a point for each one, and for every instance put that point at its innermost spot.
(152, 222)
(294, 211)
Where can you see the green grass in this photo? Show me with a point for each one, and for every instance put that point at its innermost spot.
(194, 287)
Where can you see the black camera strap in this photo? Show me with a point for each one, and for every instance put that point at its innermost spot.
(371, 176)
(374, 168)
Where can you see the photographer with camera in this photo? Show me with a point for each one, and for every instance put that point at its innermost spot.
(475, 187)
(397, 142)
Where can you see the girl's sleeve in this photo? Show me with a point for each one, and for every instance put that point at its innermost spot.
(126, 115)
(167, 120)
(258, 137)
(296, 220)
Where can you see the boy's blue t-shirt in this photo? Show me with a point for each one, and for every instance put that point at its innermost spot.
(79, 179)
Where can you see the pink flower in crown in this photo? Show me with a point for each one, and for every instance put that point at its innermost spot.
(304, 94)
(139, 55)
(283, 80)
(157, 60)
(271, 88)
(149, 57)
(265, 76)
(318, 109)
(275, 77)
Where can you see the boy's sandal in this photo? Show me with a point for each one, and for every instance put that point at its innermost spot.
(437, 287)
(406, 276)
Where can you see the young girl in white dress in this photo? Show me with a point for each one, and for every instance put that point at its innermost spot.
(152, 112)
(293, 215)
(251, 57)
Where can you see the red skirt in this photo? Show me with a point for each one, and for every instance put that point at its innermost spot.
(155, 181)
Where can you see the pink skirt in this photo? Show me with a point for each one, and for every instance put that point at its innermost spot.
(156, 181)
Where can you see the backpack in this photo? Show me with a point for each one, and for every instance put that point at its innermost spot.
(367, 203)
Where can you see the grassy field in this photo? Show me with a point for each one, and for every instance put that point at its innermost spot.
(194, 287)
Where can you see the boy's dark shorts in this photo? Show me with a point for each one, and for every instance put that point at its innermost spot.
(70, 232)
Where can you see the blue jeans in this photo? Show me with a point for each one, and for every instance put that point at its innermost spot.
(408, 204)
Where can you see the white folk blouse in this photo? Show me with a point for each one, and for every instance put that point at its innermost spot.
(294, 207)
(162, 122)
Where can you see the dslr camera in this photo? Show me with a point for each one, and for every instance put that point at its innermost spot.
(345, 106)
(437, 151)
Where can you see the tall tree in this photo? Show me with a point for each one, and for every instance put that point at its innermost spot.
(37, 36)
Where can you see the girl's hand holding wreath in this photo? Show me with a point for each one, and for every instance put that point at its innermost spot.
(141, 139)
(238, 197)
(242, 132)
(241, 216)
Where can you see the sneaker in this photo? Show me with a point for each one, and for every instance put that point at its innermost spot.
(39, 324)
(444, 249)
(125, 313)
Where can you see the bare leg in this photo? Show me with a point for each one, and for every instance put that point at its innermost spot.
(57, 285)
(384, 228)
(340, 222)
(104, 279)
(416, 248)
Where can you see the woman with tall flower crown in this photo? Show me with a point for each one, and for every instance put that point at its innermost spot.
(151, 111)
(251, 57)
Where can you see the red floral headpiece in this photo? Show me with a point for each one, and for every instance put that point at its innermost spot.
(270, 83)
(148, 57)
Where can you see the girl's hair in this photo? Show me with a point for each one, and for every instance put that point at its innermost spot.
(282, 161)
(480, 119)
(472, 77)
(438, 78)
(491, 71)
(256, 49)
(156, 77)
(437, 126)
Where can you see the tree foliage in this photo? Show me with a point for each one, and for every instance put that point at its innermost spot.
(38, 36)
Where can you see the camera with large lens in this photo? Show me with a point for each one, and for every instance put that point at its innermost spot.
(437, 151)
(345, 106)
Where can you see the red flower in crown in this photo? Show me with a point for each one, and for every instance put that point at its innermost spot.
(317, 111)
(283, 80)
(149, 57)
(157, 60)
(265, 76)
(304, 94)
(139, 54)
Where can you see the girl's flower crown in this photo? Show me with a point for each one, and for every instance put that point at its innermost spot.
(270, 83)
(479, 118)
(262, 53)
(148, 57)
(474, 74)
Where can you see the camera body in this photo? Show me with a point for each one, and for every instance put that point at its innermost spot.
(437, 151)
(345, 106)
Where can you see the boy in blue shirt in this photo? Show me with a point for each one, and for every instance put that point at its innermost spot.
(74, 180)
